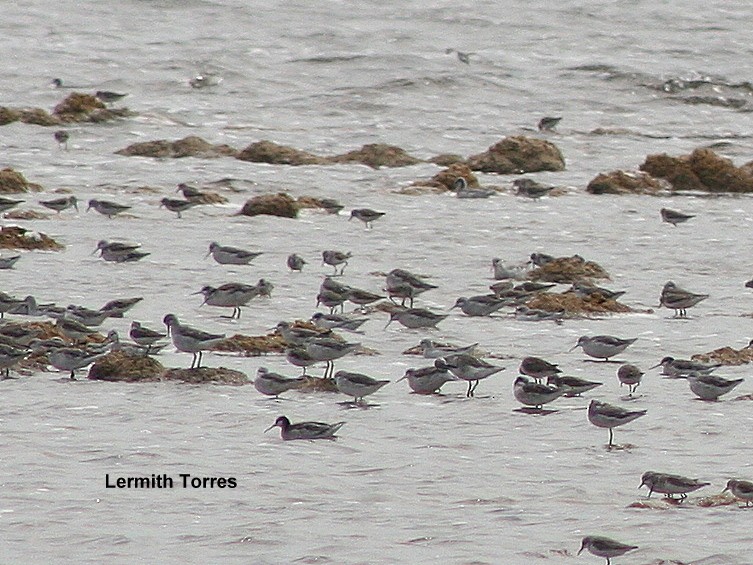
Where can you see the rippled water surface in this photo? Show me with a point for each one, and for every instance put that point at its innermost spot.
(412, 479)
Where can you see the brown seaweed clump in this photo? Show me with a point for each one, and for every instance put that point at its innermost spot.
(78, 107)
(568, 270)
(252, 346)
(571, 303)
(280, 204)
(702, 170)
(621, 182)
(318, 384)
(376, 155)
(269, 152)
(15, 237)
(518, 154)
(207, 375)
(119, 366)
(12, 182)
(191, 146)
(726, 356)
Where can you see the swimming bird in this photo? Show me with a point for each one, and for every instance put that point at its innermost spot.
(144, 336)
(230, 295)
(107, 208)
(366, 215)
(335, 258)
(204, 81)
(629, 375)
(330, 205)
(305, 430)
(678, 299)
(670, 485)
(604, 415)
(711, 387)
(540, 259)
(682, 368)
(60, 204)
(428, 380)
(575, 386)
(605, 547)
(603, 346)
(414, 318)
(548, 123)
(503, 271)
(468, 368)
(673, 217)
(295, 262)
(8, 262)
(189, 339)
(62, 137)
(108, 97)
(537, 368)
(740, 489)
(357, 385)
(535, 394)
(530, 188)
(8, 203)
(227, 255)
(274, 384)
(482, 305)
(460, 187)
(462, 56)
(337, 321)
(72, 358)
(176, 205)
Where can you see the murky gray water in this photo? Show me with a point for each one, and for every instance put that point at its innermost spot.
(413, 479)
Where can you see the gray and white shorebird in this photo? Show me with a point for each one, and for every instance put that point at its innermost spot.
(548, 123)
(414, 318)
(664, 483)
(62, 137)
(274, 384)
(629, 375)
(108, 97)
(305, 430)
(60, 204)
(537, 368)
(428, 380)
(176, 205)
(190, 340)
(330, 205)
(525, 314)
(674, 217)
(357, 385)
(587, 290)
(460, 187)
(119, 252)
(605, 547)
(295, 262)
(328, 350)
(535, 394)
(229, 295)
(362, 297)
(297, 335)
(87, 316)
(603, 346)
(742, 490)
(337, 322)
(107, 208)
(530, 188)
(711, 387)
(503, 271)
(468, 368)
(336, 258)
(366, 215)
(405, 285)
(540, 259)
(10, 356)
(331, 300)
(73, 329)
(575, 386)
(72, 358)
(298, 357)
(18, 335)
(682, 368)
(679, 299)
(481, 305)
(144, 336)
(119, 306)
(432, 350)
(8, 203)
(228, 255)
(8, 262)
(604, 415)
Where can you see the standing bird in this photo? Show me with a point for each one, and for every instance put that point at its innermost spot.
(741, 489)
(482, 305)
(538, 368)
(405, 285)
(335, 258)
(711, 387)
(62, 136)
(357, 385)
(176, 205)
(428, 380)
(673, 217)
(107, 208)
(145, 337)
(670, 485)
(535, 394)
(190, 340)
(273, 384)
(366, 215)
(603, 346)
(295, 262)
(672, 296)
(60, 204)
(629, 375)
(468, 368)
(305, 430)
(229, 295)
(548, 123)
(227, 255)
(414, 318)
(603, 415)
(605, 547)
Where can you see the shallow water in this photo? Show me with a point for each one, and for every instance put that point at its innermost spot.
(411, 479)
